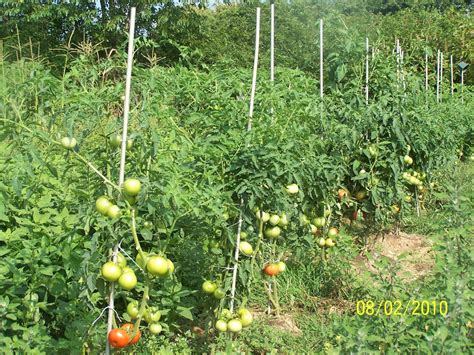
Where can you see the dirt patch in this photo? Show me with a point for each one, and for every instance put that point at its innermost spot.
(410, 253)
(284, 323)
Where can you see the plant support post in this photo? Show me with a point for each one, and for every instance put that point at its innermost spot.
(452, 73)
(321, 52)
(437, 77)
(367, 70)
(249, 127)
(426, 71)
(122, 157)
(440, 76)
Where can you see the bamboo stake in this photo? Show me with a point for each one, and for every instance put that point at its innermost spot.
(249, 127)
(122, 159)
(462, 86)
(321, 52)
(367, 71)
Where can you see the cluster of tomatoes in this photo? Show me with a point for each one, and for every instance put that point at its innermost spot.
(155, 265)
(229, 322)
(131, 188)
(276, 221)
(124, 336)
(212, 288)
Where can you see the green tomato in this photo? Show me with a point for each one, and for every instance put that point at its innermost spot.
(132, 309)
(115, 140)
(243, 235)
(274, 220)
(102, 205)
(246, 317)
(322, 242)
(329, 242)
(234, 325)
(292, 189)
(314, 229)
(111, 271)
(139, 260)
(283, 222)
(273, 232)
(226, 314)
(155, 328)
(281, 266)
(132, 187)
(408, 160)
(170, 266)
(221, 325)
(114, 212)
(128, 280)
(121, 261)
(209, 287)
(246, 248)
(319, 221)
(264, 216)
(304, 220)
(129, 143)
(219, 293)
(127, 269)
(332, 232)
(68, 143)
(148, 225)
(157, 265)
(152, 315)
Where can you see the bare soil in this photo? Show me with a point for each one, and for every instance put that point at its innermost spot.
(410, 253)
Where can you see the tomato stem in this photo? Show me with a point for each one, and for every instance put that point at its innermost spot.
(135, 236)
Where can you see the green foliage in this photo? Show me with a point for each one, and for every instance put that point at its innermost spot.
(196, 162)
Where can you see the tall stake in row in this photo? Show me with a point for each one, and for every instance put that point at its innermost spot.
(426, 71)
(321, 52)
(440, 76)
(126, 110)
(272, 42)
(367, 70)
(452, 73)
(249, 127)
(437, 76)
(272, 48)
(398, 61)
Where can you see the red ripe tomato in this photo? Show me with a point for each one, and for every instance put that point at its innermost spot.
(271, 269)
(118, 338)
(128, 327)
